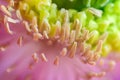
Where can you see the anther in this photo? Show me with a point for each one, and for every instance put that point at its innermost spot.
(58, 29)
(73, 50)
(35, 57)
(45, 35)
(43, 57)
(37, 36)
(4, 9)
(34, 24)
(56, 61)
(78, 27)
(63, 52)
(18, 14)
(72, 36)
(27, 27)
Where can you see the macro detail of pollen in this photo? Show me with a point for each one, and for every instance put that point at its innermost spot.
(59, 39)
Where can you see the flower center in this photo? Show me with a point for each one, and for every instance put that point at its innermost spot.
(80, 4)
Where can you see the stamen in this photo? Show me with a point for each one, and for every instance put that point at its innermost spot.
(45, 35)
(82, 47)
(63, 52)
(43, 57)
(46, 26)
(58, 29)
(73, 50)
(66, 16)
(34, 25)
(4, 9)
(20, 41)
(99, 46)
(84, 36)
(62, 35)
(11, 3)
(37, 36)
(101, 74)
(87, 51)
(72, 36)
(67, 31)
(35, 57)
(56, 61)
(94, 74)
(27, 26)
(8, 28)
(103, 37)
(78, 27)
(18, 14)
(11, 20)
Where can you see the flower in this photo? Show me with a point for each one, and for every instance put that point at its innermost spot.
(44, 43)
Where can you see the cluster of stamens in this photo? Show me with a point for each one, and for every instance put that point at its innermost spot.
(75, 39)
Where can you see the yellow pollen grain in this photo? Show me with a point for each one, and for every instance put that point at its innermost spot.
(4, 9)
